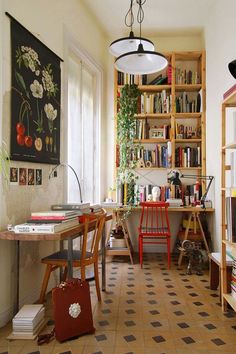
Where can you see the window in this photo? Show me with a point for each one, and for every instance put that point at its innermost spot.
(83, 134)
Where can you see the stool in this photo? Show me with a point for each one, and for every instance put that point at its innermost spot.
(215, 259)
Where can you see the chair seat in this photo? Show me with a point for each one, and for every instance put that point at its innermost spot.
(154, 231)
(63, 255)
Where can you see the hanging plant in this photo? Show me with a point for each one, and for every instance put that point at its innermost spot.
(126, 131)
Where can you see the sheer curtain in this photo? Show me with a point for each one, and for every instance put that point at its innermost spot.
(83, 131)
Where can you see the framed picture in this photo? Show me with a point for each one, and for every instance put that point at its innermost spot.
(157, 133)
(22, 176)
(31, 177)
(35, 99)
(14, 176)
(38, 177)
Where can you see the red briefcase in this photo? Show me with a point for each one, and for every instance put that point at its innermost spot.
(72, 309)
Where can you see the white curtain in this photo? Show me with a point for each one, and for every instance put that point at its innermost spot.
(83, 132)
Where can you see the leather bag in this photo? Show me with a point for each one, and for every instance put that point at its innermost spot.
(72, 309)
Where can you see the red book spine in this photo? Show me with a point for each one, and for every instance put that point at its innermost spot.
(49, 217)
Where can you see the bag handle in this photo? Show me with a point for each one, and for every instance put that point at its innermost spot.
(46, 338)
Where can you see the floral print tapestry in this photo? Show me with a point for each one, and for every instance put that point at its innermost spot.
(35, 99)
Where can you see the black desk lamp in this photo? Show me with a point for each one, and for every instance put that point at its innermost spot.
(175, 180)
(76, 176)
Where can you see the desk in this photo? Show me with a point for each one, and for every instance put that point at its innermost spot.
(69, 235)
(193, 213)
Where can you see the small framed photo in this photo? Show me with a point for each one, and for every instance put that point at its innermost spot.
(30, 177)
(38, 177)
(14, 177)
(157, 133)
(22, 176)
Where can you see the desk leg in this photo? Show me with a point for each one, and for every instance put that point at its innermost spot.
(203, 234)
(70, 258)
(103, 246)
(17, 290)
(185, 238)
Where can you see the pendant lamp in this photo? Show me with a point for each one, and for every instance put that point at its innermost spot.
(129, 44)
(141, 61)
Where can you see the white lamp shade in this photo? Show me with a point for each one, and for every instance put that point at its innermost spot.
(129, 44)
(141, 62)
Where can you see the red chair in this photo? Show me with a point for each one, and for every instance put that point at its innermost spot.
(154, 227)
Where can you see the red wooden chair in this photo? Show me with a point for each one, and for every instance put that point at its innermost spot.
(154, 227)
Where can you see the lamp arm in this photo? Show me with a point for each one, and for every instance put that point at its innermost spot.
(208, 187)
(76, 176)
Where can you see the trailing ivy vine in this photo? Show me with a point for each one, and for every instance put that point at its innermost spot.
(126, 130)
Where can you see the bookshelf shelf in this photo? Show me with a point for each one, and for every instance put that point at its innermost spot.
(178, 103)
(230, 300)
(188, 140)
(153, 116)
(227, 202)
(188, 87)
(229, 146)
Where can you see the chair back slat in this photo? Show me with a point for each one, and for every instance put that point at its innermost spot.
(154, 218)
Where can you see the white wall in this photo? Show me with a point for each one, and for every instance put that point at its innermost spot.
(47, 20)
(220, 50)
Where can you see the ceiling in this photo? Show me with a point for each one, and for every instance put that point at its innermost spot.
(161, 17)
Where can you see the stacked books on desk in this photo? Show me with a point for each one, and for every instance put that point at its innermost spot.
(49, 221)
(28, 321)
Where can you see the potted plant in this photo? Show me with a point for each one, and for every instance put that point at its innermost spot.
(126, 148)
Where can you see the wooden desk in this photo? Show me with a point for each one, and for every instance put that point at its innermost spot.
(193, 214)
(69, 235)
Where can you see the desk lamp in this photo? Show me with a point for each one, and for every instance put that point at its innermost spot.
(175, 180)
(76, 176)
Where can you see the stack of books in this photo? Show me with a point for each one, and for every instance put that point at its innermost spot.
(49, 221)
(28, 321)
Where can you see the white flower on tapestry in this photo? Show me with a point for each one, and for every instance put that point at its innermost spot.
(49, 86)
(74, 310)
(51, 114)
(36, 89)
(37, 92)
(28, 57)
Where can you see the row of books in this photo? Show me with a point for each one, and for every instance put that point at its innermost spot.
(183, 131)
(233, 279)
(162, 79)
(188, 156)
(185, 104)
(231, 218)
(186, 77)
(179, 195)
(158, 157)
(143, 130)
(159, 102)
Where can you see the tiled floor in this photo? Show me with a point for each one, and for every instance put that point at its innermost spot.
(151, 310)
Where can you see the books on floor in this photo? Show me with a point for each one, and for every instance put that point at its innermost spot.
(28, 320)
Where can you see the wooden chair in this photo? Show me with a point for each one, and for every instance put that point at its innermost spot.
(154, 227)
(88, 255)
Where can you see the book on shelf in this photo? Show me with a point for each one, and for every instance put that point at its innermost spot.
(229, 91)
(231, 218)
(46, 228)
(69, 207)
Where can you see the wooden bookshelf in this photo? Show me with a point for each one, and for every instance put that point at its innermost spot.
(226, 191)
(188, 76)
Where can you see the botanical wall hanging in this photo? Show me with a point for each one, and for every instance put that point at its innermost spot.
(35, 98)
